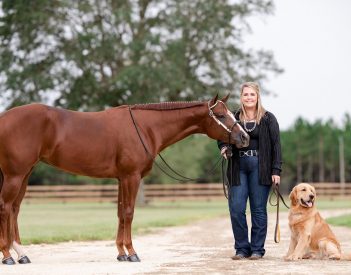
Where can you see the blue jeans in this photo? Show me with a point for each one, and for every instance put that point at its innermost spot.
(251, 188)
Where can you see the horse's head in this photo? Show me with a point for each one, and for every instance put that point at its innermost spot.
(222, 125)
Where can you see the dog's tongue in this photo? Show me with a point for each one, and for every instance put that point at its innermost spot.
(309, 204)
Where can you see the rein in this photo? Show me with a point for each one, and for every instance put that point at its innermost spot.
(225, 181)
(181, 177)
(279, 197)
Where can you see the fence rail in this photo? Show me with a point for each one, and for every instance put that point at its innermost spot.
(332, 189)
(173, 192)
(109, 193)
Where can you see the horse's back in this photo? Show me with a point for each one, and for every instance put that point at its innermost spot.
(22, 120)
(21, 131)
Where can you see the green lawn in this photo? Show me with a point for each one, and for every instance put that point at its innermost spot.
(344, 220)
(57, 222)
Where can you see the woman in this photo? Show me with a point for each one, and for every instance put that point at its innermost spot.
(251, 172)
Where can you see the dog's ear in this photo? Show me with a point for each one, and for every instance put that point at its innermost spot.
(314, 192)
(293, 196)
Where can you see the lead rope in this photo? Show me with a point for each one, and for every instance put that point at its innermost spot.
(279, 197)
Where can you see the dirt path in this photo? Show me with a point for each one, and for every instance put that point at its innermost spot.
(202, 248)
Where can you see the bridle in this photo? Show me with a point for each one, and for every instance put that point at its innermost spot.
(212, 114)
(226, 184)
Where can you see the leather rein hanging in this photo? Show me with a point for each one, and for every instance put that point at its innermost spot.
(180, 177)
(279, 197)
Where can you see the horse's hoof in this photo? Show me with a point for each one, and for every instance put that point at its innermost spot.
(122, 258)
(133, 258)
(8, 261)
(24, 260)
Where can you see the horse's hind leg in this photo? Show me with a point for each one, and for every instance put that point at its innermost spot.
(128, 189)
(22, 258)
(9, 192)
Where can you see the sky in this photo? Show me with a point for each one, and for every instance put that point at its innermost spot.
(311, 41)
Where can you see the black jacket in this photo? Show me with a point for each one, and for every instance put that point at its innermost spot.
(270, 159)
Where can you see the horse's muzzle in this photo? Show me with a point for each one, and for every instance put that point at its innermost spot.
(244, 140)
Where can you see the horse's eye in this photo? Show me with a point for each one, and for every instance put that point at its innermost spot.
(220, 116)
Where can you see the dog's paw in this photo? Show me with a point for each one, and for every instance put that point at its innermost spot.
(292, 257)
(308, 256)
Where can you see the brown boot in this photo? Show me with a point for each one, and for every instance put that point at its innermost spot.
(255, 256)
(238, 257)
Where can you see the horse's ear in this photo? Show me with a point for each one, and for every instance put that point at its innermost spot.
(214, 100)
(225, 99)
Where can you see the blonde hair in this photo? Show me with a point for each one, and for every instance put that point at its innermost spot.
(260, 111)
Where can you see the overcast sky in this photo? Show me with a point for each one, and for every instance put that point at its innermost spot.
(311, 40)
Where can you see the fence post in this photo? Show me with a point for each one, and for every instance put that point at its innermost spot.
(342, 165)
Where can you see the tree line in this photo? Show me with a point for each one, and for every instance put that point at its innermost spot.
(318, 152)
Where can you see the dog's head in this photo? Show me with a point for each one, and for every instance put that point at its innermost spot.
(303, 195)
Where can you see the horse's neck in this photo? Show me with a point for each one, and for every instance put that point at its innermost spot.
(165, 128)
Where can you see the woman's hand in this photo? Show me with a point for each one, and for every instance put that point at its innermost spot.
(225, 152)
(276, 179)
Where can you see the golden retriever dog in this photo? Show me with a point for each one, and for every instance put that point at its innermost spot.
(311, 236)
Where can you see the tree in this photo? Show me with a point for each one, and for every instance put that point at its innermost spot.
(92, 54)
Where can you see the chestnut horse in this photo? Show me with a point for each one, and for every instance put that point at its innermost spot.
(119, 142)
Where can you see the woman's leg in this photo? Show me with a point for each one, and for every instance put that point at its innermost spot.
(237, 208)
(258, 196)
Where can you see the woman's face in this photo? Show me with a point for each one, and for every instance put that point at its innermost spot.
(249, 98)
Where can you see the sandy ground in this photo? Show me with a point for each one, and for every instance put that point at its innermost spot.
(201, 248)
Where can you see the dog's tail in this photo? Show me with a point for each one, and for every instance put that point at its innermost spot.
(346, 256)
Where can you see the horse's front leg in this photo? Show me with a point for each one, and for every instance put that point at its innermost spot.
(10, 190)
(129, 188)
(120, 233)
(16, 245)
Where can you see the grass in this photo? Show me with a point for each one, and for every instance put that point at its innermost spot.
(344, 220)
(58, 222)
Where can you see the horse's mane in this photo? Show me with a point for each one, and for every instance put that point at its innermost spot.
(167, 105)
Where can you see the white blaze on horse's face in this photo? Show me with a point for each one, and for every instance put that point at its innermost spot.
(236, 133)
(229, 113)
